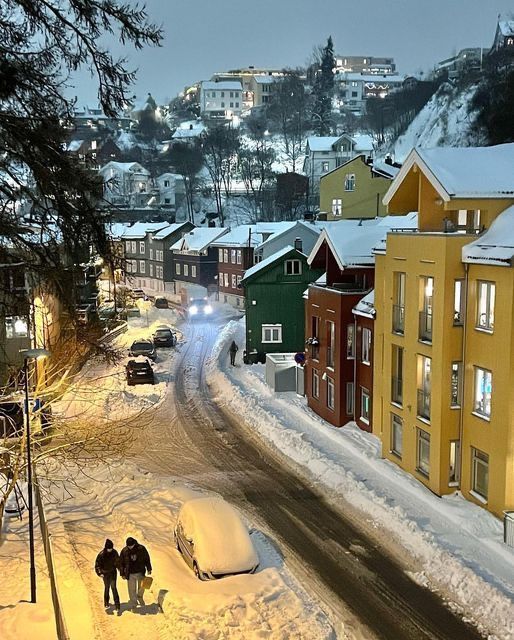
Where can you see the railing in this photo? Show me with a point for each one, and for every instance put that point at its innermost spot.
(425, 326)
(397, 390)
(424, 404)
(112, 335)
(398, 318)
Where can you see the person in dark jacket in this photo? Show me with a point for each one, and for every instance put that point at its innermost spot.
(107, 561)
(134, 563)
(233, 350)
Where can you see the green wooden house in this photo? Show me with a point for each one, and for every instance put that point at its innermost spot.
(275, 315)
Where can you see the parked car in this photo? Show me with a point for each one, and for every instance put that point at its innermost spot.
(199, 307)
(138, 294)
(161, 303)
(131, 312)
(143, 347)
(139, 371)
(213, 539)
(164, 336)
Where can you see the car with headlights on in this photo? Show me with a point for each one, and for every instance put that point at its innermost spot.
(199, 308)
(213, 539)
(143, 347)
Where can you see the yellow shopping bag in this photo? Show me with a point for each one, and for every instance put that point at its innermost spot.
(146, 582)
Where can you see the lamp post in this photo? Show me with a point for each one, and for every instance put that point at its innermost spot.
(30, 354)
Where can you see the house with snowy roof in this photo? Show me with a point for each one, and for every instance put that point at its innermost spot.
(221, 100)
(196, 260)
(444, 340)
(504, 34)
(191, 132)
(356, 188)
(126, 184)
(356, 88)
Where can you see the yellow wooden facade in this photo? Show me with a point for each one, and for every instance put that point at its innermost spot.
(440, 377)
(353, 190)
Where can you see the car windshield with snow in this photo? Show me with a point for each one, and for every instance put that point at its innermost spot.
(199, 307)
(143, 348)
(213, 539)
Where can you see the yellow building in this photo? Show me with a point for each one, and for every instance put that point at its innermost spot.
(356, 189)
(444, 332)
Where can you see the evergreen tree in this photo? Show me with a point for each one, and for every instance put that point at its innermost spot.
(323, 91)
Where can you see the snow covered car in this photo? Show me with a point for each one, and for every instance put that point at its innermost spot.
(199, 307)
(143, 347)
(139, 371)
(164, 336)
(161, 303)
(213, 540)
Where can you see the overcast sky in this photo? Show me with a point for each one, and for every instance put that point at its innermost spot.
(204, 36)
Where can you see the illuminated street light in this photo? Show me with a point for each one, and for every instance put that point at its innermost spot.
(30, 354)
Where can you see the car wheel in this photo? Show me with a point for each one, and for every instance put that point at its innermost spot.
(197, 571)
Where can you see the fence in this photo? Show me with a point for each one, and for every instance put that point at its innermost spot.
(112, 335)
(62, 632)
(508, 528)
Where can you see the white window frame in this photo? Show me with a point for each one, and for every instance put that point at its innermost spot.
(422, 445)
(238, 280)
(350, 341)
(456, 385)
(177, 268)
(142, 246)
(349, 182)
(133, 246)
(186, 269)
(226, 281)
(458, 302)
(234, 281)
(315, 384)
(271, 333)
(349, 398)
(482, 397)
(396, 435)
(365, 415)
(239, 256)
(293, 267)
(331, 393)
(128, 245)
(151, 253)
(366, 345)
(337, 207)
(225, 255)
(479, 462)
(193, 270)
(486, 294)
(232, 256)
(220, 255)
(142, 266)
(150, 267)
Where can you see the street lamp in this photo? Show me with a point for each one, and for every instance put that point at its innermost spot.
(30, 354)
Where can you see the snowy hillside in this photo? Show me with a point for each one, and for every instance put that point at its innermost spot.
(446, 120)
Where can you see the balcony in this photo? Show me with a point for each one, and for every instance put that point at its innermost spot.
(397, 390)
(399, 318)
(424, 404)
(425, 326)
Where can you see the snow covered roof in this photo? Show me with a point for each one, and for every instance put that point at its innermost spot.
(139, 230)
(116, 230)
(463, 172)
(366, 306)
(125, 167)
(363, 142)
(314, 227)
(167, 231)
(224, 85)
(265, 79)
(243, 235)
(506, 27)
(408, 221)
(74, 145)
(322, 143)
(189, 132)
(199, 239)
(263, 264)
(375, 78)
(496, 245)
(385, 169)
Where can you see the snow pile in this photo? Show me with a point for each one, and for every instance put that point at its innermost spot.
(445, 121)
(458, 545)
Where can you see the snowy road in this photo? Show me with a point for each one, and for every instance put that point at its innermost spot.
(369, 594)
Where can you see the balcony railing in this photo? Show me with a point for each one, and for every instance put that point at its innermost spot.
(424, 403)
(397, 390)
(398, 318)
(425, 326)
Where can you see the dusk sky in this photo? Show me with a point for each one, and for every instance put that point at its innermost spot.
(216, 35)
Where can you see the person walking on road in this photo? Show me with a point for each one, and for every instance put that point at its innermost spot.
(233, 350)
(107, 561)
(134, 563)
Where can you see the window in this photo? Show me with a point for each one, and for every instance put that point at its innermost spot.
(220, 279)
(225, 255)
(151, 270)
(423, 453)
(485, 306)
(458, 303)
(151, 253)
(16, 327)
(134, 246)
(237, 105)
(292, 267)
(350, 341)
(314, 340)
(456, 384)
(220, 255)
(365, 405)
(239, 256)
(325, 167)
(142, 266)
(349, 398)
(231, 105)
(231, 94)
(315, 384)
(480, 472)
(349, 182)
(177, 268)
(272, 333)
(127, 246)
(166, 183)
(396, 435)
(226, 280)
(337, 206)
(483, 392)
(397, 375)
(425, 315)
(233, 281)
(453, 475)
(233, 256)
(330, 393)
(366, 346)
(222, 104)
(239, 278)
(193, 271)
(424, 384)
(141, 247)
(399, 302)
(354, 94)
(222, 95)
(331, 343)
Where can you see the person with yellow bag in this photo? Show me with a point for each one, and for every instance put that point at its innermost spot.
(134, 563)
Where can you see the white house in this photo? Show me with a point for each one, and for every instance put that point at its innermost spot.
(356, 88)
(222, 100)
(126, 184)
(169, 186)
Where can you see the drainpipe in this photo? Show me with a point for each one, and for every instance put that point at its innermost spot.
(463, 386)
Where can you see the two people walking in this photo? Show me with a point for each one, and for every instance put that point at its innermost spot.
(233, 349)
(133, 563)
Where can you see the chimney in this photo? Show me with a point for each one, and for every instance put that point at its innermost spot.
(298, 244)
